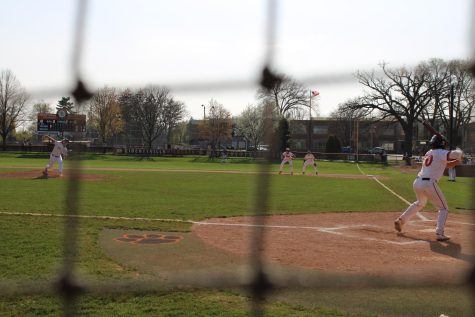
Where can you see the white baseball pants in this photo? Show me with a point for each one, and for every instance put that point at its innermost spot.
(307, 163)
(52, 159)
(427, 189)
(290, 163)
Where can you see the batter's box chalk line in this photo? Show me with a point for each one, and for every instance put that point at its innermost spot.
(336, 230)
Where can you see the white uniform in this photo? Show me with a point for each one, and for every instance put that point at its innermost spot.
(452, 174)
(287, 157)
(426, 187)
(56, 156)
(309, 160)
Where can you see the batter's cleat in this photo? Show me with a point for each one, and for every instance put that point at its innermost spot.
(441, 237)
(398, 225)
(316, 173)
(291, 173)
(280, 172)
(303, 173)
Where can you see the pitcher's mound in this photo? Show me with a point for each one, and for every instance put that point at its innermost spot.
(38, 174)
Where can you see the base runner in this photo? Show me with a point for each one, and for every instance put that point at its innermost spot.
(426, 187)
(309, 159)
(56, 155)
(287, 157)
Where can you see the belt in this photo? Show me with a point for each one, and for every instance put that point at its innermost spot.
(424, 178)
(55, 155)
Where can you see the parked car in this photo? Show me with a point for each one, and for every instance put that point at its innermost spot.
(346, 149)
(376, 150)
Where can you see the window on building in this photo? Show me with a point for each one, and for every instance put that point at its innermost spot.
(387, 131)
(320, 129)
(388, 146)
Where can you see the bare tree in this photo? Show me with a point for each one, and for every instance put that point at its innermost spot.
(149, 112)
(460, 101)
(288, 96)
(438, 78)
(128, 100)
(346, 115)
(218, 126)
(401, 94)
(39, 107)
(172, 113)
(105, 113)
(250, 124)
(13, 98)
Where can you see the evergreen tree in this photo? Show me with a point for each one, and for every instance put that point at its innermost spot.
(333, 145)
(64, 103)
(282, 135)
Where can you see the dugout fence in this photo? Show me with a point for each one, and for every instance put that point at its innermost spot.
(259, 281)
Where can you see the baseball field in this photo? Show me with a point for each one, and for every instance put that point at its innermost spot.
(154, 232)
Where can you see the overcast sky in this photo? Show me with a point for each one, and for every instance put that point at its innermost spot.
(185, 44)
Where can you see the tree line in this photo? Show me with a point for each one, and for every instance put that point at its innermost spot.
(434, 90)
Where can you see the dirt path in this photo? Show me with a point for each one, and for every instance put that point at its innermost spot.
(37, 172)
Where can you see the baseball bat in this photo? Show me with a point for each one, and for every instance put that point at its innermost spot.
(434, 131)
(431, 129)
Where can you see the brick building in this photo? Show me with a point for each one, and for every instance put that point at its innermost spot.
(368, 134)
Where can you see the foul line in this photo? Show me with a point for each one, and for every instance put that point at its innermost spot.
(329, 230)
(419, 215)
(92, 217)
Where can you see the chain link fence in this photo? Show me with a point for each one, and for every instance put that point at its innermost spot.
(259, 281)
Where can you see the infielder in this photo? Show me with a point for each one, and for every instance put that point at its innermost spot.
(309, 159)
(57, 155)
(287, 157)
(426, 187)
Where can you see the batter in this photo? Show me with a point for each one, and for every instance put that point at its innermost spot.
(426, 187)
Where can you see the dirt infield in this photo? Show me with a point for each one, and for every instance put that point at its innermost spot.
(352, 242)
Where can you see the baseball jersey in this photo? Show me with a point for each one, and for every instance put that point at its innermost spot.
(59, 149)
(287, 156)
(309, 157)
(434, 164)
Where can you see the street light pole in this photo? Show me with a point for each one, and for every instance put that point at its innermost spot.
(204, 112)
(309, 148)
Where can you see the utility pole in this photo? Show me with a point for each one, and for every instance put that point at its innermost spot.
(204, 113)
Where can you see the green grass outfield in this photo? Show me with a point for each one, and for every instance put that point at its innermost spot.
(190, 188)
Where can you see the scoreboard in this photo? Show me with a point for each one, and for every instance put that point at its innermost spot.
(61, 122)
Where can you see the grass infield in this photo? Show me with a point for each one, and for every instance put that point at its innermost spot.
(190, 188)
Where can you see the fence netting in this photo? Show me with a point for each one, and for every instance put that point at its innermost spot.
(259, 282)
